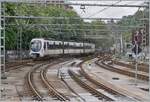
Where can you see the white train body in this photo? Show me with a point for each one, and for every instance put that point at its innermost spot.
(41, 47)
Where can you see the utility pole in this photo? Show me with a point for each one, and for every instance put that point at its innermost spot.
(2, 48)
(136, 50)
(136, 62)
(19, 43)
(2, 40)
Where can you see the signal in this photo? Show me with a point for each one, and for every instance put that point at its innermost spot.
(137, 38)
(136, 41)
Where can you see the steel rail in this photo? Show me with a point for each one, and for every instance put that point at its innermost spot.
(70, 88)
(122, 71)
(141, 67)
(15, 65)
(88, 87)
(32, 86)
(52, 90)
(110, 87)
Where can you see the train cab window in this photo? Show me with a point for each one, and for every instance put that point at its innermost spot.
(36, 45)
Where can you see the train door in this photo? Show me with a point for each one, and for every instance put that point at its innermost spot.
(44, 45)
(45, 48)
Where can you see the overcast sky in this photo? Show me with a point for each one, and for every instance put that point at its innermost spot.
(107, 12)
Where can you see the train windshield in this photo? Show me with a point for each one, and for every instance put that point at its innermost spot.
(36, 45)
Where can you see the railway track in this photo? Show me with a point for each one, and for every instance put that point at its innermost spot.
(71, 89)
(91, 89)
(16, 65)
(127, 72)
(36, 94)
(50, 87)
(34, 90)
(141, 67)
(109, 87)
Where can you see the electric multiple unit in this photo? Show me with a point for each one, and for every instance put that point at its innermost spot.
(41, 47)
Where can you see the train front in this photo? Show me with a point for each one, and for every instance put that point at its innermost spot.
(36, 48)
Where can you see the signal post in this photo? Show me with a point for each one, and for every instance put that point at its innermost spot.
(137, 39)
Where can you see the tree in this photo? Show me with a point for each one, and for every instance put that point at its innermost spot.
(32, 28)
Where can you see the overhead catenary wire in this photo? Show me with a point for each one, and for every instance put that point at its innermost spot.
(84, 25)
(110, 7)
(53, 17)
(103, 9)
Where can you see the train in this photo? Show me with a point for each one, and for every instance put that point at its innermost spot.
(41, 47)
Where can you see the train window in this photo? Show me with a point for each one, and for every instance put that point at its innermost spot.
(67, 45)
(87, 47)
(60, 46)
(48, 45)
(53, 46)
(57, 46)
(72, 46)
(90, 47)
